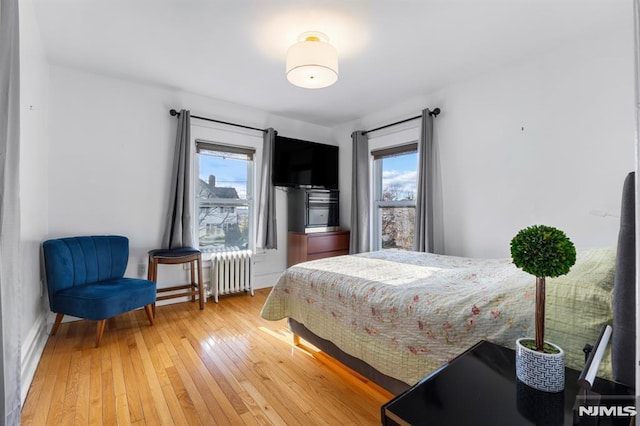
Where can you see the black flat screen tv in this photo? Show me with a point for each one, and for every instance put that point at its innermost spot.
(299, 163)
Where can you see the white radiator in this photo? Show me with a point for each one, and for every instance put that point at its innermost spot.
(231, 272)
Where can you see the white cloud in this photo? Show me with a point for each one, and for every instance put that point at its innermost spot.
(405, 181)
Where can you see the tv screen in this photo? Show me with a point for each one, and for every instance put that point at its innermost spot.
(298, 163)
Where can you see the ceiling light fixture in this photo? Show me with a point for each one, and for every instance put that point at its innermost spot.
(312, 62)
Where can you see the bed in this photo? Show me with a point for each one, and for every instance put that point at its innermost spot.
(395, 316)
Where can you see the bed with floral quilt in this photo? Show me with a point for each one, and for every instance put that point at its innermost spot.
(395, 316)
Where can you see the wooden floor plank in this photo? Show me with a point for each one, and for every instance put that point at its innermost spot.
(153, 379)
(186, 404)
(83, 400)
(128, 408)
(144, 385)
(196, 396)
(221, 365)
(160, 361)
(34, 410)
(59, 383)
(265, 406)
(108, 381)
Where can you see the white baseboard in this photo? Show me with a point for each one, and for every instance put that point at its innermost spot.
(32, 348)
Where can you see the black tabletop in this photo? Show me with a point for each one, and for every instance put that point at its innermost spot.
(480, 388)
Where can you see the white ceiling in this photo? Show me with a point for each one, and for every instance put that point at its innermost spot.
(234, 50)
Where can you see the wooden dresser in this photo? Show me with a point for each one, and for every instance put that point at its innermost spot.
(302, 247)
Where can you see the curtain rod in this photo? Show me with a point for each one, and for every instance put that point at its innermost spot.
(174, 113)
(435, 112)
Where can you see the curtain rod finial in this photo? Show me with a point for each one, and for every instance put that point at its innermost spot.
(173, 112)
(435, 112)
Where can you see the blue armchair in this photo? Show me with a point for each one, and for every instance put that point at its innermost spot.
(85, 278)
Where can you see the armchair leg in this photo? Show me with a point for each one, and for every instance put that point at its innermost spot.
(56, 324)
(150, 314)
(100, 331)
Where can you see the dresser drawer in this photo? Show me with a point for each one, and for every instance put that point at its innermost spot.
(302, 247)
(327, 254)
(328, 242)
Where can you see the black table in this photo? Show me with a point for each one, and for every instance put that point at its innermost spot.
(480, 387)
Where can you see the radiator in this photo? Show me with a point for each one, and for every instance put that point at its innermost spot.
(231, 272)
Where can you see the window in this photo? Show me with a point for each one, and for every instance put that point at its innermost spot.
(224, 197)
(395, 190)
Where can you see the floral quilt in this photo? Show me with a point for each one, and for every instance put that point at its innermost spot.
(406, 313)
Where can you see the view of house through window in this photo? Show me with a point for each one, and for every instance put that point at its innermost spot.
(395, 186)
(223, 197)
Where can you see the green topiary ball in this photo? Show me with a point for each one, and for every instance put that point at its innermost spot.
(543, 251)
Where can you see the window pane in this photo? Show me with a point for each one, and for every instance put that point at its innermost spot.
(223, 219)
(399, 177)
(397, 227)
(396, 190)
(226, 176)
(223, 228)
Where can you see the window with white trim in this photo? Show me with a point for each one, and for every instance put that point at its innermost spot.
(224, 197)
(394, 193)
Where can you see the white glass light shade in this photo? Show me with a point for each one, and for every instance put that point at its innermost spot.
(312, 63)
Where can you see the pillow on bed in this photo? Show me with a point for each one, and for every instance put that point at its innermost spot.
(579, 304)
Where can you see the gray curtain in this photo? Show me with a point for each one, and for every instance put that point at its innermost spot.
(179, 224)
(267, 232)
(429, 224)
(360, 203)
(10, 357)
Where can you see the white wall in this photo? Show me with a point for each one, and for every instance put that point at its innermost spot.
(33, 189)
(110, 156)
(549, 140)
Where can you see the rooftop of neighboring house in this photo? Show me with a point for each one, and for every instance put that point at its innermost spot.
(214, 191)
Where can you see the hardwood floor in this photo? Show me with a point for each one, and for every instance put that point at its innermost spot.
(223, 365)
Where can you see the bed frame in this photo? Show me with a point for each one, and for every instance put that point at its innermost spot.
(623, 341)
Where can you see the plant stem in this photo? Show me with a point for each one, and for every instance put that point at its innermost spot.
(540, 293)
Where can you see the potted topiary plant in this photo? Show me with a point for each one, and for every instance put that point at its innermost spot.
(542, 251)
